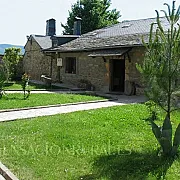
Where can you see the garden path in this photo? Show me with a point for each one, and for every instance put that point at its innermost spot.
(60, 109)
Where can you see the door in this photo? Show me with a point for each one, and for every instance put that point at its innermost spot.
(117, 75)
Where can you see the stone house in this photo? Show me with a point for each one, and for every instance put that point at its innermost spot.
(105, 58)
(35, 61)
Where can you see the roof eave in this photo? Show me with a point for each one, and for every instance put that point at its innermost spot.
(91, 49)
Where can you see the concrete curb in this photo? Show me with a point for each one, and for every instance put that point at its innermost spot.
(6, 173)
(56, 105)
(64, 89)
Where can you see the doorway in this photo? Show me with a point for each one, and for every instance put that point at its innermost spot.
(117, 75)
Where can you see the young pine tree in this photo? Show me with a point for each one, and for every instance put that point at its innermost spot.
(161, 73)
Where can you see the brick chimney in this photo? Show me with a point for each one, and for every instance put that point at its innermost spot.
(51, 27)
(77, 26)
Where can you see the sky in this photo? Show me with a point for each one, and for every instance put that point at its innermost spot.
(21, 18)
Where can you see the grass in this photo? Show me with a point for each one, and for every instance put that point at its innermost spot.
(105, 144)
(15, 100)
(32, 86)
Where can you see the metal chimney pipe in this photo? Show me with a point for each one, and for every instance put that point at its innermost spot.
(77, 26)
(51, 27)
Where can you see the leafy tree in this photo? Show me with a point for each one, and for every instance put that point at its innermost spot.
(95, 14)
(3, 76)
(12, 57)
(161, 72)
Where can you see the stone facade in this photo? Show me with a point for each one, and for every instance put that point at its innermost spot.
(95, 70)
(131, 73)
(87, 68)
(36, 63)
(98, 72)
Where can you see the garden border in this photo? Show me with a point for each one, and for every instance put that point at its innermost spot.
(56, 105)
(6, 173)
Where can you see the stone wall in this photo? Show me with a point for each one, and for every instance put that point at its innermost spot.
(87, 68)
(36, 63)
(131, 73)
(96, 70)
(136, 56)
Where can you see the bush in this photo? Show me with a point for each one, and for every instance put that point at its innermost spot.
(85, 84)
(3, 77)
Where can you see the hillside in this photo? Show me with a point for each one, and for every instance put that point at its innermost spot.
(4, 46)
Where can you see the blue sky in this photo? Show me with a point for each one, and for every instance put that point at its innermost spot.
(20, 18)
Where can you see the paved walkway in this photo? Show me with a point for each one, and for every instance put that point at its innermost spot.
(49, 92)
(46, 111)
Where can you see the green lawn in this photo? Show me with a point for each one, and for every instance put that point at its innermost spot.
(106, 144)
(16, 100)
(17, 86)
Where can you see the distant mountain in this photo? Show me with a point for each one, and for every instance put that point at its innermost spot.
(4, 46)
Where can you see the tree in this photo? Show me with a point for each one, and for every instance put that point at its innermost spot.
(12, 57)
(3, 76)
(95, 14)
(161, 72)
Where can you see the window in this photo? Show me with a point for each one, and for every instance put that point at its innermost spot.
(70, 65)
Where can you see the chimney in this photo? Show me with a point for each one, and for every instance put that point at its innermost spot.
(77, 26)
(51, 27)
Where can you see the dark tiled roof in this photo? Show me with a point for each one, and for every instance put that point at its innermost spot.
(85, 44)
(109, 52)
(43, 41)
(126, 33)
(141, 26)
